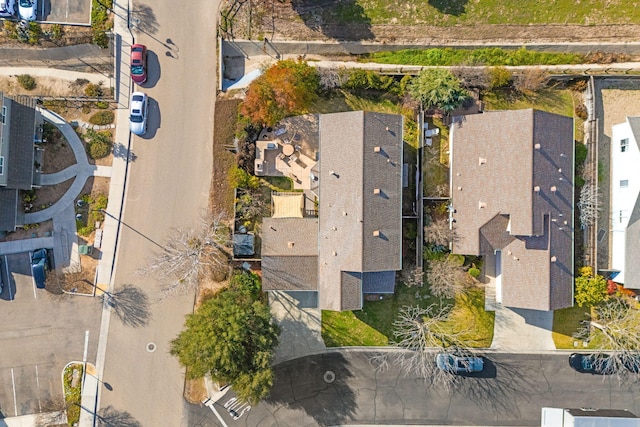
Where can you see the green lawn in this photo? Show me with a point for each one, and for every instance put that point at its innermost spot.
(373, 325)
(465, 12)
(566, 322)
(551, 100)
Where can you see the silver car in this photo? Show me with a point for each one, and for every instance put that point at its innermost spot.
(27, 9)
(138, 113)
(7, 8)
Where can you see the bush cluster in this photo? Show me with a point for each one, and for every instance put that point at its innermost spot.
(99, 144)
(26, 81)
(102, 118)
(93, 90)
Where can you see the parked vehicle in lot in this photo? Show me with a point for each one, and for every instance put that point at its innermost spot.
(40, 266)
(27, 9)
(139, 63)
(459, 364)
(596, 364)
(138, 113)
(7, 8)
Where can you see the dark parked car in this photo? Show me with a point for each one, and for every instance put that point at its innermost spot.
(40, 266)
(632, 362)
(596, 364)
(139, 63)
(459, 364)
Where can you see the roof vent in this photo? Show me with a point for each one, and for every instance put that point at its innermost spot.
(290, 244)
(536, 188)
(376, 191)
(553, 189)
(560, 170)
(566, 222)
(332, 172)
(515, 258)
(459, 188)
(482, 160)
(554, 259)
(344, 213)
(458, 174)
(509, 252)
(376, 149)
(376, 233)
(334, 228)
(482, 205)
(537, 146)
(335, 253)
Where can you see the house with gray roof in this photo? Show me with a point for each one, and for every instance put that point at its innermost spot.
(625, 202)
(512, 186)
(354, 245)
(19, 129)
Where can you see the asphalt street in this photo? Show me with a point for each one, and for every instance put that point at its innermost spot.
(511, 391)
(39, 335)
(167, 187)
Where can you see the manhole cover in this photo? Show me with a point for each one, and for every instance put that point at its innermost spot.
(151, 347)
(329, 377)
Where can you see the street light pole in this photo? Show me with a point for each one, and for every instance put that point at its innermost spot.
(129, 227)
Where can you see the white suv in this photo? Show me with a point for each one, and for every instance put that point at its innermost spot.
(7, 8)
(138, 113)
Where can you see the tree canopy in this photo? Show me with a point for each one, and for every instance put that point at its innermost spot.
(232, 337)
(590, 289)
(438, 88)
(288, 88)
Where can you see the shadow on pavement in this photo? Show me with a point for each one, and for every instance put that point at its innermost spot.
(317, 385)
(154, 70)
(144, 19)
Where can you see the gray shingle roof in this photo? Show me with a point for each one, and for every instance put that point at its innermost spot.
(8, 209)
(290, 273)
(632, 249)
(19, 162)
(518, 165)
(360, 197)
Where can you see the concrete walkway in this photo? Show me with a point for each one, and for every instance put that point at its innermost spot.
(522, 331)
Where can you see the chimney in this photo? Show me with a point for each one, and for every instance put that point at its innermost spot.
(482, 205)
(482, 161)
(553, 259)
(553, 189)
(290, 245)
(376, 149)
(537, 146)
(536, 188)
(376, 233)
(376, 191)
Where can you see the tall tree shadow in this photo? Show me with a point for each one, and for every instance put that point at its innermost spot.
(318, 385)
(110, 417)
(130, 304)
(144, 19)
(450, 7)
(344, 20)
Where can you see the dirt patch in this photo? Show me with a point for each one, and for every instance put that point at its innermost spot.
(43, 229)
(57, 155)
(71, 35)
(221, 193)
(47, 196)
(45, 86)
(279, 21)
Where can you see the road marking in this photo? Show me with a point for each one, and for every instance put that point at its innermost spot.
(15, 401)
(86, 345)
(38, 385)
(33, 279)
(210, 404)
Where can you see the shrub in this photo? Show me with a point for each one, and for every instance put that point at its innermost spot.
(581, 153)
(56, 32)
(530, 80)
(103, 105)
(26, 81)
(239, 178)
(499, 77)
(98, 144)
(578, 85)
(581, 111)
(102, 118)
(100, 38)
(474, 272)
(94, 90)
(34, 32)
(56, 105)
(10, 29)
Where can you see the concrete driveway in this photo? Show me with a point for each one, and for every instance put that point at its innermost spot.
(76, 12)
(167, 186)
(40, 334)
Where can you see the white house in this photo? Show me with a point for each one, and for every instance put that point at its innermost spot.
(625, 205)
(588, 417)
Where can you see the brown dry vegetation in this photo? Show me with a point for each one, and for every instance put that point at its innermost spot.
(221, 193)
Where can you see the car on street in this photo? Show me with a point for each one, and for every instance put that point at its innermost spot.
(459, 364)
(138, 113)
(139, 63)
(7, 8)
(40, 266)
(632, 362)
(27, 9)
(595, 364)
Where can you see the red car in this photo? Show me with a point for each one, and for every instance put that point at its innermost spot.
(139, 63)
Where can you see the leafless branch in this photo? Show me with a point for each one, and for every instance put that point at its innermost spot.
(589, 204)
(189, 253)
(438, 233)
(445, 279)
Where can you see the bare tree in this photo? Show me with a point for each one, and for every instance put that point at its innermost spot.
(617, 322)
(588, 204)
(331, 78)
(446, 280)
(530, 80)
(249, 204)
(414, 277)
(423, 333)
(438, 233)
(472, 77)
(188, 254)
(130, 304)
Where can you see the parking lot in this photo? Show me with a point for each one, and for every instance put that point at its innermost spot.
(40, 334)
